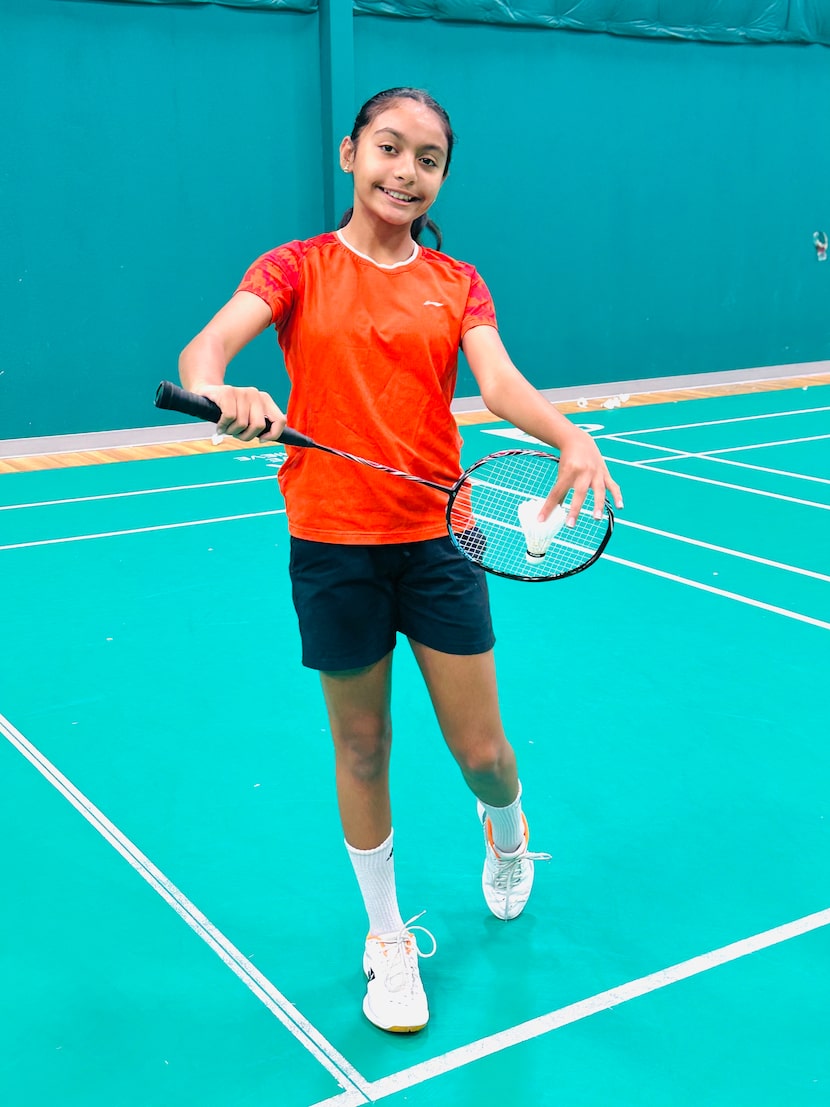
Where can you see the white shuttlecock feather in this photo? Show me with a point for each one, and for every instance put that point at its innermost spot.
(539, 533)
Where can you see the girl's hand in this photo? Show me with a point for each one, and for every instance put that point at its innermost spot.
(513, 398)
(245, 411)
(581, 467)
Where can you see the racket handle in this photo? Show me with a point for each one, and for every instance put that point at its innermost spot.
(170, 397)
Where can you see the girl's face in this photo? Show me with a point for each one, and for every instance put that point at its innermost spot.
(398, 163)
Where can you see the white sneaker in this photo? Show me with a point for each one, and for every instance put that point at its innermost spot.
(395, 999)
(508, 877)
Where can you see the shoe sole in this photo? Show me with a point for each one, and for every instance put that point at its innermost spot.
(390, 1029)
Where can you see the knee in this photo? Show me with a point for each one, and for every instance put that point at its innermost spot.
(363, 748)
(485, 757)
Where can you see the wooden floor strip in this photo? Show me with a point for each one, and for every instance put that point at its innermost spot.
(75, 458)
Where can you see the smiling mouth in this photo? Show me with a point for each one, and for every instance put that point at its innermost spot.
(403, 197)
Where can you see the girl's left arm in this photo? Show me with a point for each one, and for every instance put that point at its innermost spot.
(512, 397)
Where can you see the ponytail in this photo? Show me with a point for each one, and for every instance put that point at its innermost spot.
(422, 223)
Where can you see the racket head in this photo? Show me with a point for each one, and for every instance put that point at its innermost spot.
(483, 519)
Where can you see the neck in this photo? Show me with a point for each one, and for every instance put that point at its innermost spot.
(384, 244)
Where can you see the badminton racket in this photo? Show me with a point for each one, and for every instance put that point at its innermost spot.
(492, 508)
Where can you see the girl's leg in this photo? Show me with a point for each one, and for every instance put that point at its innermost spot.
(358, 703)
(465, 697)
(358, 709)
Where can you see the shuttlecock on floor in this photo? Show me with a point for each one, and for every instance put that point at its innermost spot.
(539, 532)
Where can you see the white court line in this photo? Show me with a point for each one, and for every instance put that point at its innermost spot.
(722, 549)
(760, 445)
(575, 1012)
(683, 455)
(136, 492)
(296, 1023)
(719, 592)
(648, 467)
(716, 422)
(140, 530)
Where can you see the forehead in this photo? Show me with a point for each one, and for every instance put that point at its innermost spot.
(415, 121)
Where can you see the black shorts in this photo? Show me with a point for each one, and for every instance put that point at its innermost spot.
(351, 601)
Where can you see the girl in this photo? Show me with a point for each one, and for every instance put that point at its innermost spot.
(370, 323)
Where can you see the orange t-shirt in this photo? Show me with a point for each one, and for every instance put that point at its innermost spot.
(372, 356)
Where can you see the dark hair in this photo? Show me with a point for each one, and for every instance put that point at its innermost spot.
(372, 109)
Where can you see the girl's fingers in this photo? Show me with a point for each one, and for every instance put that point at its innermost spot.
(575, 506)
(277, 420)
(246, 412)
(600, 484)
(616, 492)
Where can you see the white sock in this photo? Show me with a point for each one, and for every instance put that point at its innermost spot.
(508, 825)
(375, 872)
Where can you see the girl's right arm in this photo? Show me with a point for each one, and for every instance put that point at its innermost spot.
(203, 362)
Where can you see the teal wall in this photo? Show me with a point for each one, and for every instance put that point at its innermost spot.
(640, 207)
(148, 155)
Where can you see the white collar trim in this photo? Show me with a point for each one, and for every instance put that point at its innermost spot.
(380, 265)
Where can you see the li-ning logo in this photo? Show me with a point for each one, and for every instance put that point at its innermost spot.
(432, 303)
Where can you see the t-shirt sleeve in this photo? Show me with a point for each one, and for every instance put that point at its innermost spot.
(480, 309)
(274, 278)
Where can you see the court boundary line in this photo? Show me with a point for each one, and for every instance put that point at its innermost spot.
(301, 1029)
(748, 600)
(723, 592)
(212, 484)
(719, 422)
(768, 562)
(135, 492)
(362, 1091)
(511, 431)
(649, 467)
(582, 1009)
(714, 456)
(139, 530)
(652, 464)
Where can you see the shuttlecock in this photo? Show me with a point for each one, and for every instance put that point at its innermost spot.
(539, 532)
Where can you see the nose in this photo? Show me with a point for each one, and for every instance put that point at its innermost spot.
(405, 169)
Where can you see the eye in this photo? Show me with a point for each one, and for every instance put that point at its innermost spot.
(387, 148)
(430, 163)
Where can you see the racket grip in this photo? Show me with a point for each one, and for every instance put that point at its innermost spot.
(169, 397)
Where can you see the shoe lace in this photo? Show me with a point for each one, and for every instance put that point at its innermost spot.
(509, 872)
(402, 953)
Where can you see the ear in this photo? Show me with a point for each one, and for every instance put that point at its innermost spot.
(347, 152)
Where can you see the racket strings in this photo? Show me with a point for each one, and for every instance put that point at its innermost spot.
(494, 518)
